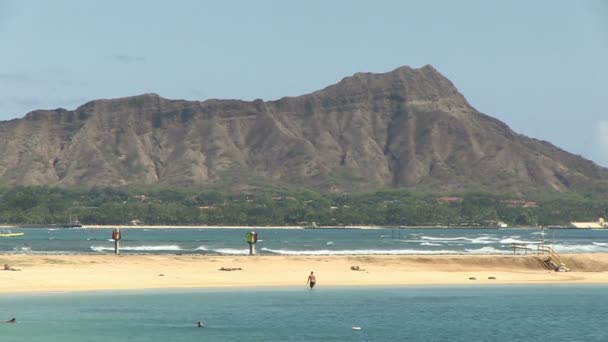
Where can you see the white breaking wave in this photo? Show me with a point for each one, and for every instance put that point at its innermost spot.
(579, 248)
(201, 248)
(602, 244)
(138, 248)
(358, 252)
(477, 240)
(444, 238)
(231, 251)
(484, 240)
(486, 250)
(430, 244)
(329, 243)
(512, 240)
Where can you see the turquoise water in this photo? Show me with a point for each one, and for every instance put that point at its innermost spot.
(302, 241)
(495, 313)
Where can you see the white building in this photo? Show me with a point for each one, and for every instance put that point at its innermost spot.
(599, 224)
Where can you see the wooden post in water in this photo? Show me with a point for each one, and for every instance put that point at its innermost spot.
(116, 236)
(251, 238)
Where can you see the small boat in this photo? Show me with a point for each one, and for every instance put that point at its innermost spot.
(73, 222)
(313, 225)
(10, 234)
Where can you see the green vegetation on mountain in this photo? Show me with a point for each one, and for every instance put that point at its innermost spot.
(164, 206)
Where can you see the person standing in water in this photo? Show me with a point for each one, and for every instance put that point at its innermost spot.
(311, 280)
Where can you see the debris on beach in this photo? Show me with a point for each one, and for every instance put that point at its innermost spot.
(230, 269)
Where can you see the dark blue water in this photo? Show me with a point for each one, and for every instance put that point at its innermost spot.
(303, 241)
(496, 313)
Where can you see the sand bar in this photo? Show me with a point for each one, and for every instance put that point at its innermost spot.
(49, 273)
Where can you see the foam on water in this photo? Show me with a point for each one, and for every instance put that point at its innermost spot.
(233, 251)
(514, 240)
(486, 250)
(138, 248)
(593, 248)
(476, 240)
(484, 240)
(430, 244)
(431, 238)
(358, 252)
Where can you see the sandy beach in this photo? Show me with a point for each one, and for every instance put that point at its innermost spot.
(50, 273)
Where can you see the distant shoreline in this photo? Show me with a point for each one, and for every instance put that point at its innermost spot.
(111, 226)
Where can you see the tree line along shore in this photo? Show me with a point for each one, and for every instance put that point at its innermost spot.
(290, 208)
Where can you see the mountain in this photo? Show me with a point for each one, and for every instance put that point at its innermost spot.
(406, 128)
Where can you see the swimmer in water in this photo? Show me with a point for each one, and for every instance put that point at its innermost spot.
(312, 280)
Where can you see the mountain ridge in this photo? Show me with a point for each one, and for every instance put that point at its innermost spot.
(406, 128)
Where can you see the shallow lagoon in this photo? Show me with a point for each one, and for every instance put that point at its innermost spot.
(431, 313)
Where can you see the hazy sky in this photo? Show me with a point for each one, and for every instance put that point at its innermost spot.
(541, 66)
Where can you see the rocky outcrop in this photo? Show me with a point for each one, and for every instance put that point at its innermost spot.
(406, 128)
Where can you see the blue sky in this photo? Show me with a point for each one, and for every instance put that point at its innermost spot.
(540, 66)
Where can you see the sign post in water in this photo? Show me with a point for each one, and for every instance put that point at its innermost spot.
(116, 236)
(252, 239)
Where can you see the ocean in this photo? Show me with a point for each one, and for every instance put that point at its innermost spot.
(302, 241)
(411, 313)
